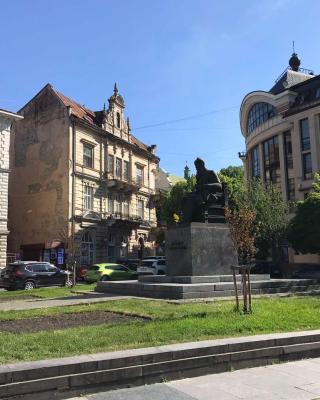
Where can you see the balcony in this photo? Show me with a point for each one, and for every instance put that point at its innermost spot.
(127, 219)
(242, 155)
(120, 183)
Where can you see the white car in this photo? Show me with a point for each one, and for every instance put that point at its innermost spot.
(152, 267)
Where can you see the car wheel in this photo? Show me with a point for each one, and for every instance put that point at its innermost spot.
(68, 283)
(161, 272)
(29, 285)
(105, 278)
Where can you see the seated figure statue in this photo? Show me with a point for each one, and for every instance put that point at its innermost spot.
(206, 203)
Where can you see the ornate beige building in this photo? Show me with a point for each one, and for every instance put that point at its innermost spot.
(6, 119)
(281, 128)
(81, 182)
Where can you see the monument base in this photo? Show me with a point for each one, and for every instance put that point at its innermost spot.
(199, 249)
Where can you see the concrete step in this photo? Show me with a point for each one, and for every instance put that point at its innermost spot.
(67, 377)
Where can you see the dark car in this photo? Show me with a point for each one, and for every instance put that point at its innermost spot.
(308, 272)
(131, 263)
(266, 267)
(29, 275)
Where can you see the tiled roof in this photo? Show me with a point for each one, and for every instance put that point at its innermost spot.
(89, 116)
(76, 109)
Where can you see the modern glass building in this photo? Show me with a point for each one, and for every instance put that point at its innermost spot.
(281, 128)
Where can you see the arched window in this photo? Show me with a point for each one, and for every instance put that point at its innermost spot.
(87, 249)
(259, 113)
(118, 120)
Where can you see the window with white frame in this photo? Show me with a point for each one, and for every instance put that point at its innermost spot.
(110, 164)
(87, 155)
(126, 170)
(140, 208)
(125, 206)
(88, 197)
(119, 168)
(110, 204)
(87, 249)
(139, 174)
(117, 204)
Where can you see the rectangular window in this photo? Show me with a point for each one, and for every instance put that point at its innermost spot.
(271, 160)
(291, 189)
(307, 165)
(288, 150)
(126, 170)
(110, 204)
(304, 134)
(110, 164)
(117, 205)
(87, 156)
(88, 197)
(119, 168)
(255, 164)
(125, 206)
(141, 209)
(139, 175)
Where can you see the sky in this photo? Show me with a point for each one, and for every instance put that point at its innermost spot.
(182, 66)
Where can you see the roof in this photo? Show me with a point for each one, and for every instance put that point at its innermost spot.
(89, 116)
(9, 114)
(289, 79)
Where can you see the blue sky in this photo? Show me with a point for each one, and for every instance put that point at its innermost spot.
(172, 59)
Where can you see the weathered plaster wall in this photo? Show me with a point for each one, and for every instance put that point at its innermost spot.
(39, 185)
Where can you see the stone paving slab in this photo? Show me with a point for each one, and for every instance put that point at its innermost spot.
(273, 382)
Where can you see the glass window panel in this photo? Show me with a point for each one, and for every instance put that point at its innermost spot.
(304, 134)
(259, 113)
(119, 168)
(88, 197)
(110, 164)
(307, 165)
(87, 156)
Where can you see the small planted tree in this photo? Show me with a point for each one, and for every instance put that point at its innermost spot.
(243, 229)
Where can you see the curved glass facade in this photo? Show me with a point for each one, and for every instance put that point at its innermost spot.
(259, 113)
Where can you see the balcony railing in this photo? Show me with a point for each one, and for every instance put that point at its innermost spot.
(126, 184)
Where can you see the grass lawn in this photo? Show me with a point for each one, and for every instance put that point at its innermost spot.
(46, 292)
(170, 323)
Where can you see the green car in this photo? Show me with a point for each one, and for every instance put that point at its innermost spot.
(108, 271)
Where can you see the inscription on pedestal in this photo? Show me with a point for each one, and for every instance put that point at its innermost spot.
(199, 249)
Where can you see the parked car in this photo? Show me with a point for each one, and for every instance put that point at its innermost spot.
(267, 267)
(80, 273)
(131, 263)
(109, 271)
(308, 272)
(32, 274)
(155, 258)
(152, 267)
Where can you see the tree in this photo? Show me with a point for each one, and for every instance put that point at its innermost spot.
(304, 228)
(172, 204)
(265, 201)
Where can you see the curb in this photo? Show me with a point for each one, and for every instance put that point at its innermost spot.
(72, 376)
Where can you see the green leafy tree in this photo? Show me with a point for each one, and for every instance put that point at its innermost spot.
(304, 228)
(172, 204)
(265, 201)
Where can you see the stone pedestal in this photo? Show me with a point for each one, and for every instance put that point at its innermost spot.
(199, 249)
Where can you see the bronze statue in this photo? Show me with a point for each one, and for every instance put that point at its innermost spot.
(206, 203)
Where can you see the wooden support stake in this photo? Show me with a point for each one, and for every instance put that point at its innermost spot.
(235, 288)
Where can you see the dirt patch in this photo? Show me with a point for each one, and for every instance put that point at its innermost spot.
(64, 321)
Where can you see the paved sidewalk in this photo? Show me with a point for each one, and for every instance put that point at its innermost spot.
(298, 380)
(59, 302)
